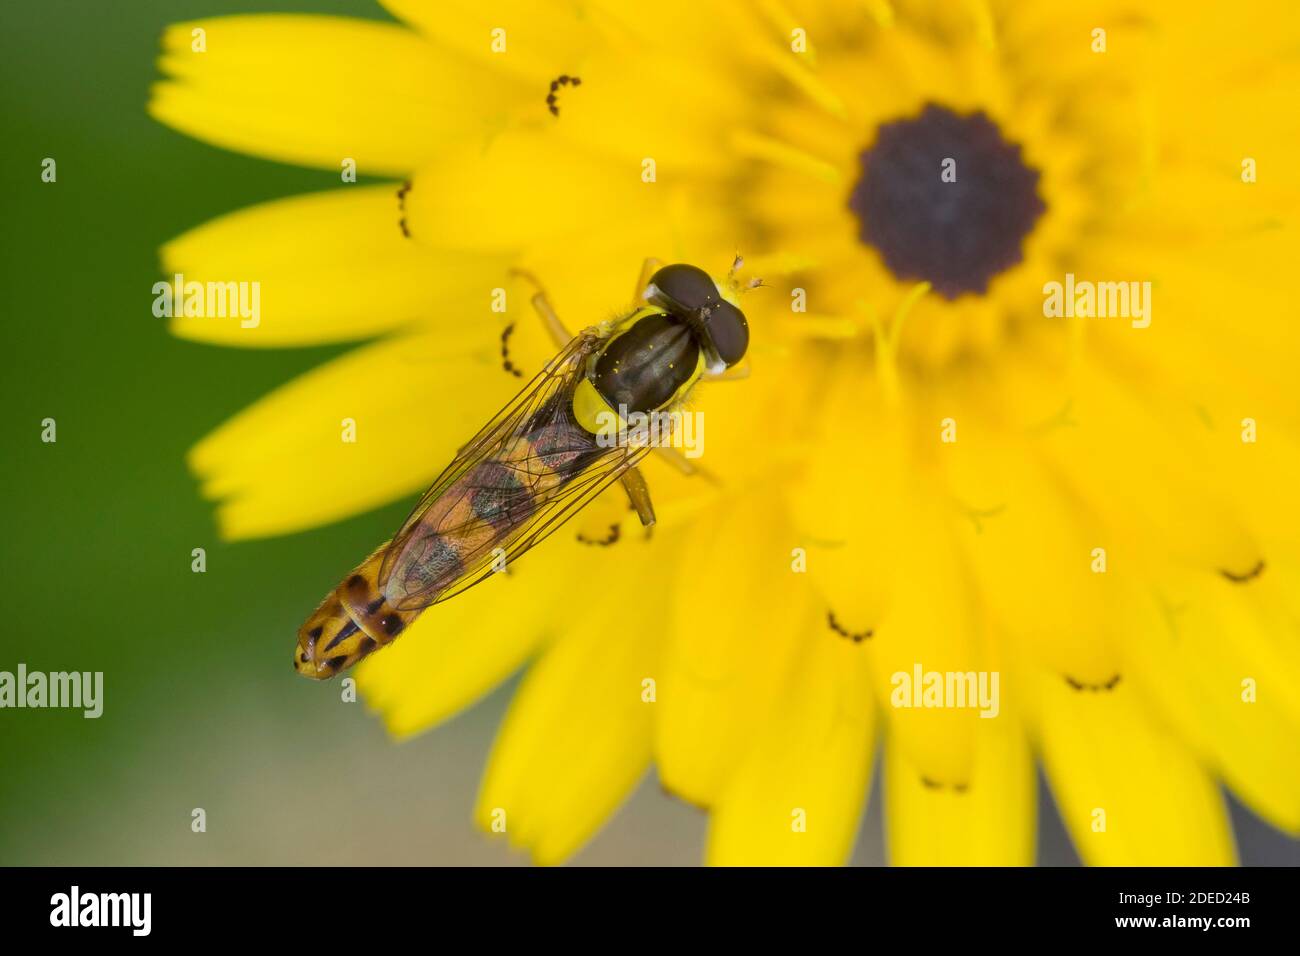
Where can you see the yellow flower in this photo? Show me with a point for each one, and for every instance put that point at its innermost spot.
(979, 476)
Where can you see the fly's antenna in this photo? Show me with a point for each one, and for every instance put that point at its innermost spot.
(733, 281)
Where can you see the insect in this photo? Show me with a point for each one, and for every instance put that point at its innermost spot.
(539, 460)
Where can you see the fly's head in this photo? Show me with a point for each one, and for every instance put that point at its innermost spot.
(690, 294)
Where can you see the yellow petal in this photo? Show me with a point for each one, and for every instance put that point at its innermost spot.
(284, 463)
(318, 90)
(797, 798)
(1130, 792)
(1031, 544)
(537, 41)
(1191, 355)
(1218, 660)
(526, 187)
(844, 505)
(328, 267)
(991, 822)
(458, 651)
(577, 736)
(1099, 436)
(624, 81)
(933, 626)
(739, 617)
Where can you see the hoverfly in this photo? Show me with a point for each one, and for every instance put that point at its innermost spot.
(538, 461)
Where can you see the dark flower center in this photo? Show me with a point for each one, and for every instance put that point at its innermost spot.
(945, 198)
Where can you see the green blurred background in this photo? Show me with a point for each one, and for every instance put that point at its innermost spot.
(201, 707)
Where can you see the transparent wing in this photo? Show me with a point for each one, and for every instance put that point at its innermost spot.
(490, 479)
(547, 516)
(559, 375)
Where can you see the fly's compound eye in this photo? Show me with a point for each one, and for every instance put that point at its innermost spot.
(688, 291)
(727, 329)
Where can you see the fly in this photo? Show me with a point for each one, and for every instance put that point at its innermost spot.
(539, 460)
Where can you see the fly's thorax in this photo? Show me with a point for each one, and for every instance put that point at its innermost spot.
(649, 365)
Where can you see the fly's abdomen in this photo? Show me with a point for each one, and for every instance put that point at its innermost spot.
(352, 622)
(474, 515)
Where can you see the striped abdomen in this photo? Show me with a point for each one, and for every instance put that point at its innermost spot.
(475, 514)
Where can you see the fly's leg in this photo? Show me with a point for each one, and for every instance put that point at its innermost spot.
(638, 492)
(683, 464)
(559, 334)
